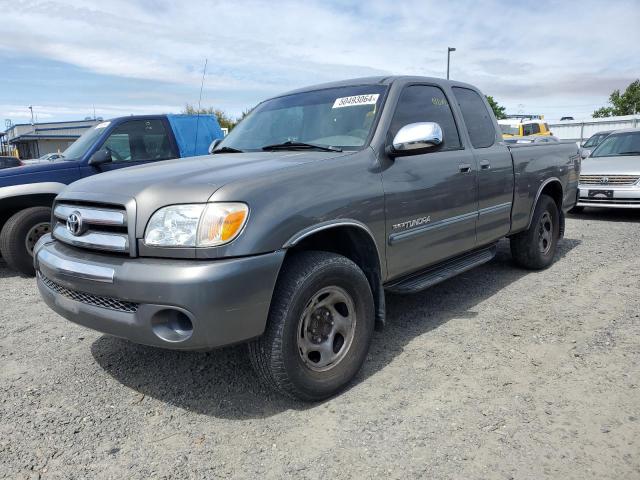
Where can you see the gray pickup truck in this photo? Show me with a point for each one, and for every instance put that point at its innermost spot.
(287, 236)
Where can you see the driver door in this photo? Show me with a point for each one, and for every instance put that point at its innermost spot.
(431, 198)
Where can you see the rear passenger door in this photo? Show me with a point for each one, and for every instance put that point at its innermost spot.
(431, 197)
(495, 177)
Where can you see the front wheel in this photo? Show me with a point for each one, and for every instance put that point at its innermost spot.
(20, 234)
(319, 329)
(535, 247)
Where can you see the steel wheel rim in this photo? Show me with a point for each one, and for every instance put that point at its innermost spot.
(545, 233)
(326, 329)
(34, 234)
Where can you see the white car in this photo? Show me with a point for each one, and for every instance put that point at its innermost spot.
(610, 176)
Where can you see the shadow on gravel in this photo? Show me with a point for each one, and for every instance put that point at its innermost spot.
(608, 214)
(222, 383)
(6, 272)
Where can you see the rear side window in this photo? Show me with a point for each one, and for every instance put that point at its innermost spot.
(476, 117)
(423, 103)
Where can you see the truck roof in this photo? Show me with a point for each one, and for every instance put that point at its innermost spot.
(379, 80)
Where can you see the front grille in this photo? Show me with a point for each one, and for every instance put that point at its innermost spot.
(90, 299)
(92, 226)
(608, 179)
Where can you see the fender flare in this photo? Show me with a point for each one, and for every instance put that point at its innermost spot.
(548, 181)
(50, 188)
(319, 227)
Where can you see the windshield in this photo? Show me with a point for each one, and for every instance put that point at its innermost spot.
(335, 117)
(620, 144)
(510, 129)
(595, 140)
(78, 148)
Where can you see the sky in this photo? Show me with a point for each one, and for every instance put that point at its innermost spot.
(70, 58)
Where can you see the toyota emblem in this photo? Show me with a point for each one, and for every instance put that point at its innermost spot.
(604, 180)
(74, 223)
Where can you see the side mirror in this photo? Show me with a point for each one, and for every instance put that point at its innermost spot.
(584, 153)
(101, 156)
(214, 144)
(416, 138)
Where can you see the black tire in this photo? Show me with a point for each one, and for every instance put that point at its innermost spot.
(528, 248)
(277, 355)
(14, 244)
(576, 210)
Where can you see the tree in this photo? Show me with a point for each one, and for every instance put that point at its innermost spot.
(224, 119)
(626, 103)
(498, 109)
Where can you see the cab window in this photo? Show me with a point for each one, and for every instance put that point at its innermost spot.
(423, 103)
(139, 140)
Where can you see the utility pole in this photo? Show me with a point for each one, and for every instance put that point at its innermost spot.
(449, 50)
(31, 109)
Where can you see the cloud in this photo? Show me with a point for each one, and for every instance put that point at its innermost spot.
(519, 54)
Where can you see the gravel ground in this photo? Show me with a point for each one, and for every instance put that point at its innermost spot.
(499, 373)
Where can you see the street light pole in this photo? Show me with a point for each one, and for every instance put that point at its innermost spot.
(449, 50)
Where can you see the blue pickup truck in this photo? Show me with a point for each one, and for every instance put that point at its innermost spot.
(27, 192)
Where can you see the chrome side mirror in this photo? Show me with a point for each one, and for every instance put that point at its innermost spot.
(214, 144)
(584, 152)
(416, 138)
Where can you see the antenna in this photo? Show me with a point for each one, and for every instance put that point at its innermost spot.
(204, 72)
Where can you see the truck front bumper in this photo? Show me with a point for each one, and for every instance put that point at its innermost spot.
(177, 304)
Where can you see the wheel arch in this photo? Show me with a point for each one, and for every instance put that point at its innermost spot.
(353, 240)
(551, 187)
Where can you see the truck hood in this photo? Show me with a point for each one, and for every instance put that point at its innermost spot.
(619, 165)
(32, 172)
(188, 180)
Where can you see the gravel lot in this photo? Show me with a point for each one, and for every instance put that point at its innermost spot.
(499, 373)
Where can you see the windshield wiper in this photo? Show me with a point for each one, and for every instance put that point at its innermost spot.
(227, 150)
(632, 152)
(291, 145)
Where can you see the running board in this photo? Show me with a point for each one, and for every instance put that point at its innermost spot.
(441, 272)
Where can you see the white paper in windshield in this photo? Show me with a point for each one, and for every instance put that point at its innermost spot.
(356, 100)
(102, 125)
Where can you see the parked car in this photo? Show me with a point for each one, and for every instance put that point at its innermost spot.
(287, 236)
(611, 175)
(593, 141)
(511, 128)
(26, 193)
(9, 162)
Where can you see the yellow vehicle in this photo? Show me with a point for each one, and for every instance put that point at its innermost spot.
(511, 128)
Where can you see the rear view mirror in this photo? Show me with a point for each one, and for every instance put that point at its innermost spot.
(416, 138)
(584, 152)
(101, 156)
(214, 144)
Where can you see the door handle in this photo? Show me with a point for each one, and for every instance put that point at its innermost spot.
(465, 167)
(485, 165)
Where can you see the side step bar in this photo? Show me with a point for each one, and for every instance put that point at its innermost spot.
(441, 272)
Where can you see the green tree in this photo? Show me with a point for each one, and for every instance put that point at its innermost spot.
(626, 103)
(498, 109)
(224, 119)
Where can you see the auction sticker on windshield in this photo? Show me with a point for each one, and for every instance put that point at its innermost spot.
(356, 100)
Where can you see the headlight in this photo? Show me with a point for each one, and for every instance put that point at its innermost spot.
(201, 225)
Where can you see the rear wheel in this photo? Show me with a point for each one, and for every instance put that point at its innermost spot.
(20, 234)
(319, 329)
(535, 248)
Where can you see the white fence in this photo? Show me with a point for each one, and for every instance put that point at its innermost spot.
(579, 130)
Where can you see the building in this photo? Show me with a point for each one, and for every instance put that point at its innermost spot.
(35, 140)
